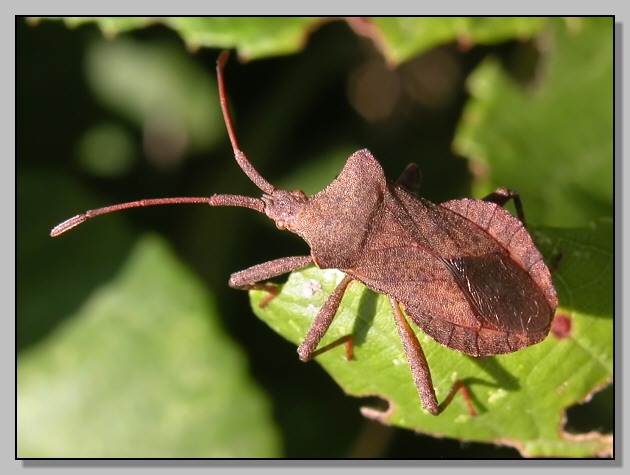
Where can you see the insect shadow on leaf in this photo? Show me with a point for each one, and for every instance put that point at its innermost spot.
(365, 317)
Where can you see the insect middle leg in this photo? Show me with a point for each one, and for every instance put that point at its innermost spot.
(321, 323)
(419, 367)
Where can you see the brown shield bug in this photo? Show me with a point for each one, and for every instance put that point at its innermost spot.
(466, 272)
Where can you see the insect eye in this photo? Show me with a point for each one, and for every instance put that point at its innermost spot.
(280, 224)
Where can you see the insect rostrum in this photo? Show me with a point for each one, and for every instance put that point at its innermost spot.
(466, 272)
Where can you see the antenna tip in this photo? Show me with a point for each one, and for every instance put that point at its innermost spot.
(223, 56)
(67, 224)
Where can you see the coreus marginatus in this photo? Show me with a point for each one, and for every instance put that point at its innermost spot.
(466, 271)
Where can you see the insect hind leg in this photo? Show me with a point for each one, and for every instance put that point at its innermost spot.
(420, 371)
(500, 196)
(410, 178)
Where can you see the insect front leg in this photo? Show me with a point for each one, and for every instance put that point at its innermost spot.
(251, 278)
(501, 196)
(419, 367)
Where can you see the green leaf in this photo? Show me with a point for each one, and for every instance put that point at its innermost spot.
(254, 37)
(142, 370)
(399, 39)
(553, 141)
(404, 38)
(520, 398)
(110, 26)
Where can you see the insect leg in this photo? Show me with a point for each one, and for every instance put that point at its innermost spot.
(501, 196)
(419, 367)
(251, 278)
(322, 322)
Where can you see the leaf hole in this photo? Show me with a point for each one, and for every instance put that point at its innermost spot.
(595, 414)
(376, 407)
